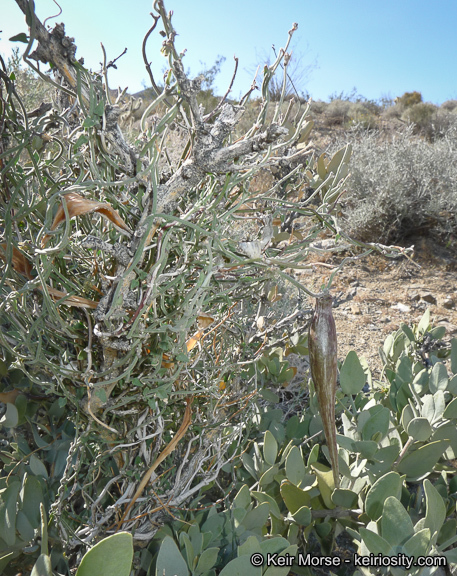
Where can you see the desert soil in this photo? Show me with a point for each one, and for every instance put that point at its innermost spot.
(375, 296)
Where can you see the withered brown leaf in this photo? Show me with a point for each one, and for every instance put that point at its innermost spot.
(79, 206)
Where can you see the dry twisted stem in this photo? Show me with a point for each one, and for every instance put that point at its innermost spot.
(165, 452)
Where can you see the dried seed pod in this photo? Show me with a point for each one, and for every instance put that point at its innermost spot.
(323, 363)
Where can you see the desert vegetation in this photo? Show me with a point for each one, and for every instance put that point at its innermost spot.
(157, 411)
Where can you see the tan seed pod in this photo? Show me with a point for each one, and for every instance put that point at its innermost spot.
(323, 363)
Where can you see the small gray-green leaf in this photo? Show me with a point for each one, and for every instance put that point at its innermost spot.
(11, 416)
(242, 498)
(436, 510)
(396, 523)
(303, 516)
(352, 376)
(421, 462)
(419, 429)
(388, 485)
(113, 557)
(424, 322)
(37, 466)
(295, 467)
(207, 560)
(438, 378)
(8, 503)
(454, 355)
(42, 566)
(419, 544)
(376, 544)
(270, 448)
(451, 410)
(255, 519)
(344, 498)
(273, 570)
(262, 497)
(240, 566)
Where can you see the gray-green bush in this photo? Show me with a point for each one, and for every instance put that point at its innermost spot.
(401, 185)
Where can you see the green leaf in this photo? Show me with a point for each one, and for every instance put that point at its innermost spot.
(352, 376)
(31, 497)
(270, 448)
(289, 553)
(433, 406)
(377, 425)
(113, 557)
(262, 497)
(436, 509)
(269, 395)
(421, 462)
(303, 516)
(424, 322)
(24, 527)
(418, 545)
(207, 560)
(242, 498)
(11, 417)
(294, 498)
(295, 467)
(42, 566)
(376, 544)
(419, 429)
(344, 498)
(273, 545)
(454, 355)
(8, 501)
(388, 485)
(451, 410)
(251, 546)
(22, 37)
(3, 369)
(326, 483)
(409, 333)
(396, 524)
(268, 476)
(438, 378)
(37, 466)
(255, 519)
(237, 567)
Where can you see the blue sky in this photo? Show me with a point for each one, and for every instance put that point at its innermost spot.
(383, 48)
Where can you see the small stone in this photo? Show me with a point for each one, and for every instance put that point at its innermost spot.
(428, 297)
(449, 303)
(415, 296)
(355, 309)
(401, 307)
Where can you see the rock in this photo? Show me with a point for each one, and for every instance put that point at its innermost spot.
(428, 297)
(402, 307)
(448, 303)
(355, 309)
(414, 296)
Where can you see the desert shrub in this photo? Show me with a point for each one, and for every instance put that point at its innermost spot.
(409, 99)
(141, 318)
(449, 105)
(337, 111)
(420, 115)
(391, 112)
(401, 185)
(318, 106)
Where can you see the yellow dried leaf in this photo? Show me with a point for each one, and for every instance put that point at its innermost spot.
(192, 342)
(204, 320)
(79, 206)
